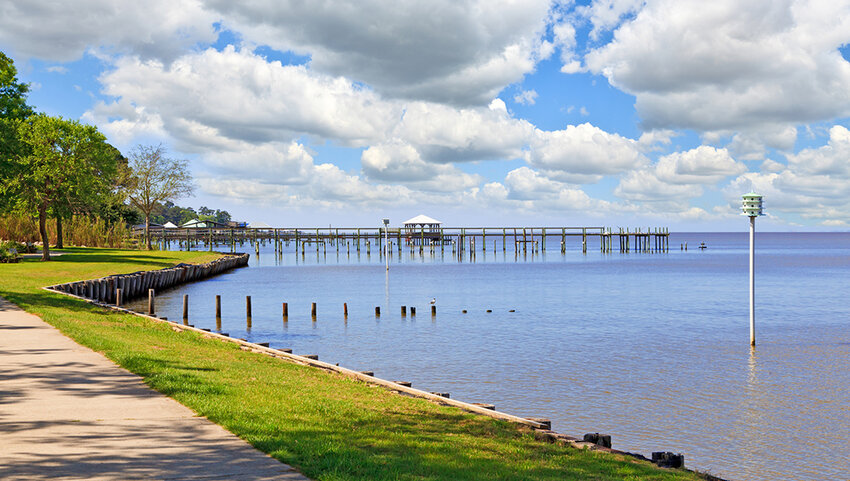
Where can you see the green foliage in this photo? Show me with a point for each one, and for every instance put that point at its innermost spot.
(66, 167)
(13, 108)
(13, 93)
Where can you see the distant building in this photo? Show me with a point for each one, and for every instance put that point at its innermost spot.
(169, 225)
(259, 225)
(422, 230)
(202, 224)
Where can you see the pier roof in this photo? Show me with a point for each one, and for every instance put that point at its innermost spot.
(421, 219)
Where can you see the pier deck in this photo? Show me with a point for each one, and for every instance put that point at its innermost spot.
(461, 239)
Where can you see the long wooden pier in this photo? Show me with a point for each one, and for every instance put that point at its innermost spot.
(459, 239)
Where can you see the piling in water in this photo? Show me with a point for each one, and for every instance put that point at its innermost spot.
(186, 309)
(248, 311)
(151, 302)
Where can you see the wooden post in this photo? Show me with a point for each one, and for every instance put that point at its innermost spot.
(248, 311)
(118, 293)
(377, 311)
(313, 310)
(151, 302)
(433, 311)
(412, 311)
(345, 309)
(285, 312)
(218, 309)
(186, 309)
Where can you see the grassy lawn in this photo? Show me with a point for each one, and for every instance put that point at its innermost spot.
(327, 426)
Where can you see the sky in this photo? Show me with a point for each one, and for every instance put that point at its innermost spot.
(616, 113)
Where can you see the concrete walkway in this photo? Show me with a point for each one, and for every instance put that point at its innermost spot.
(67, 412)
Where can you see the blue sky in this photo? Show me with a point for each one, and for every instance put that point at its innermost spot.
(614, 112)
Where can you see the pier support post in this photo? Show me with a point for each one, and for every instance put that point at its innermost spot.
(285, 312)
(313, 311)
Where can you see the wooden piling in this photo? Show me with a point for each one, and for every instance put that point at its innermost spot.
(403, 311)
(433, 311)
(118, 293)
(151, 302)
(186, 309)
(345, 309)
(313, 310)
(218, 309)
(248, 311)
(412, 312)
(377, 311)
(285, 312)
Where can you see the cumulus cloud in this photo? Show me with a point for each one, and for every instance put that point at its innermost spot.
(237, 94)
(814, 185)
(445, 134)
(731, 65)
(671, 183)
(582, 153)
(63, 31)
(459, 52)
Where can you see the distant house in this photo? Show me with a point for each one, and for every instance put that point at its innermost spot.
(169, 225)
(422, 229)
(203, 224)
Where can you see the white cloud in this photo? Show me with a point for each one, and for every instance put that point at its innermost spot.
(236, 94)
(814, 185)
(671, 183)
(446, 134)
(526, 97)
(702, 165)
(400, 162)
(731, 65)
(831, 159)
(582, 153)
(606, 14)
(63, 31)
(459, 52)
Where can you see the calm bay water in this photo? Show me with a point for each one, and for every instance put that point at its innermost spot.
(650, 348)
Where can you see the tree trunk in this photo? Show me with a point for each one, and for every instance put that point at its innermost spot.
(147, 231)
(42, 229)
(59, 243)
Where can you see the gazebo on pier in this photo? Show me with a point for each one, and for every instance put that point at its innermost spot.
(423, 230)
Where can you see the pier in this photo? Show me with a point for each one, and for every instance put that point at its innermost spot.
(459, 239)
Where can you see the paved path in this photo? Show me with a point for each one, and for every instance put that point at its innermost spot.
(66, 412)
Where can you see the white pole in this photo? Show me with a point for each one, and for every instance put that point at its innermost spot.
(752, 282)
(387, 245)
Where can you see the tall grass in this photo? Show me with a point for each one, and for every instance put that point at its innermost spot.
(80, 230)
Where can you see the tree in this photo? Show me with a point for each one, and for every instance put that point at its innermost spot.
(13, 108)
(63, 165)
(154, 179)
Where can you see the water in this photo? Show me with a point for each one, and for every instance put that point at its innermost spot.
(650, 348)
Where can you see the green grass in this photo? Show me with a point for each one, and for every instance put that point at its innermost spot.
(328, 426)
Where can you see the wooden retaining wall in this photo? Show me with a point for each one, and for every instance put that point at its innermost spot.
(136, 285)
